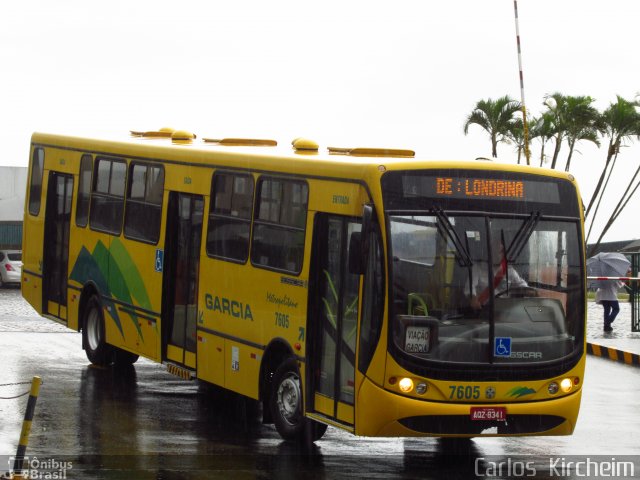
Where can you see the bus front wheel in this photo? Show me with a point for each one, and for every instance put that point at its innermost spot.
(93, 337)
(286, 406)
(122, 358)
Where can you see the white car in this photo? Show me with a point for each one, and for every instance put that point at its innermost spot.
(10, 267)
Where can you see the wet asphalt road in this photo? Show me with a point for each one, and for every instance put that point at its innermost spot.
(144, 423)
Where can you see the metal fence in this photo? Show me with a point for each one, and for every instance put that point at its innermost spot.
(632, 286)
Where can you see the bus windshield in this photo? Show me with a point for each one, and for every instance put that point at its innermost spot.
(476, 288)
(486, 268)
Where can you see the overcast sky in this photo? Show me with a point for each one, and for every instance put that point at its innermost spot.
(345, 73)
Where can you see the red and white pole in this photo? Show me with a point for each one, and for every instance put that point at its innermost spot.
(622, 279)
(527, 153)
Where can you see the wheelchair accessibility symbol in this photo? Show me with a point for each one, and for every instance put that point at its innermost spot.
(159, 260)
(502, 347)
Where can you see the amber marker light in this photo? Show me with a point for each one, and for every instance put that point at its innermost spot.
(406, 385)
(566, 385)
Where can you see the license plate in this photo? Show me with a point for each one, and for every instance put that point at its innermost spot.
(489, 413)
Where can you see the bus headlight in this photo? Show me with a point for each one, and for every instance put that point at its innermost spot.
(566, 385)
(553, 388)
(421, 388)
(406, 385)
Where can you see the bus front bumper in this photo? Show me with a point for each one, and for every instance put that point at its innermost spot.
(380, 412)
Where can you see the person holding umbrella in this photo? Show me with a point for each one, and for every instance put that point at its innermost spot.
(608, 264)
(607, 296)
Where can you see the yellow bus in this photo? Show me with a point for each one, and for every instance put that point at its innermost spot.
(360, 288)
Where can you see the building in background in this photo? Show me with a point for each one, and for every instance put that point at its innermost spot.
(622, 246)
(13, 184)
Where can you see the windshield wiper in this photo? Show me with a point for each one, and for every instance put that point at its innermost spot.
(522, 236)
(462, 255)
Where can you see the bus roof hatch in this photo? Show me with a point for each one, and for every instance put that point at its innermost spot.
(242, 142)
(372, 152)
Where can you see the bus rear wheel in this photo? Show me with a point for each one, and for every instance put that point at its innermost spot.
(93, 336)
(286, 406)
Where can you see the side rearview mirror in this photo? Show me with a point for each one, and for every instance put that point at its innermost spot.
(359, 242)
(368, 218)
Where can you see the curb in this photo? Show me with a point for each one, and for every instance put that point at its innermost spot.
(613, 354)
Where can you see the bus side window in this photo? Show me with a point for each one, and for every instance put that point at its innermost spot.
(84, 191)
(230, 216)
(107, 197)
(143, 213)
(35, 188)
(279, 224)
(373, 303)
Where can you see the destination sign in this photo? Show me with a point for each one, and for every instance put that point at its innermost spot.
(480, 187)
(499, 188)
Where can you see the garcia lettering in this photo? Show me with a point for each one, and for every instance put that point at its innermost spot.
(228, 307)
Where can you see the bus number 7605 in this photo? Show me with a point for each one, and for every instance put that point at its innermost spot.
(462, 392)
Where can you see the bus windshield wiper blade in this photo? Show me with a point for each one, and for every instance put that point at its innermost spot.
(462, 255)
(522, 236)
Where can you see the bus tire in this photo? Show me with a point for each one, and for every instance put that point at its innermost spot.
(122, 358)
(314, 430)
(93, 335)
(286, 401)
(286, 406)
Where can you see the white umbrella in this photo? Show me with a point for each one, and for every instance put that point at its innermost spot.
(607, 264)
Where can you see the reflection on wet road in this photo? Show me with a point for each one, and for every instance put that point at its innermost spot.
(143, 423)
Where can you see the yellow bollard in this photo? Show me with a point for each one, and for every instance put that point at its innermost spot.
(26, 429)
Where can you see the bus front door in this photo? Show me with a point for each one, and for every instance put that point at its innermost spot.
(55, 257)
(180, 281)
(333, 321)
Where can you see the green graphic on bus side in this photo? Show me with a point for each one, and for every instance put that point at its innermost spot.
(135, 284)
(520, 392)
(116, 276)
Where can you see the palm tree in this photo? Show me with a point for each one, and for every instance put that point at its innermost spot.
(580, 121)
(516, 135)
(555, 104)
(542, 128)
(620, 122)
(496, 117)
